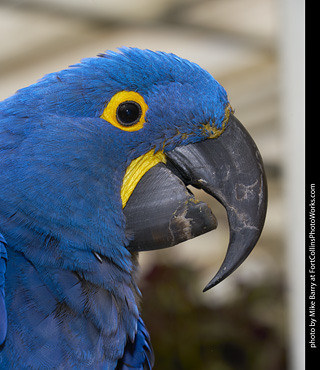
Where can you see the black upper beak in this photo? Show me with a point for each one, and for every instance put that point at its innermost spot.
(162, 212)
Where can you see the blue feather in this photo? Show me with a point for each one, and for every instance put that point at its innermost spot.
(138, 355)
(3, 312)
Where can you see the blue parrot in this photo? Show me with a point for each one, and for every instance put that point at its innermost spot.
(95, 163)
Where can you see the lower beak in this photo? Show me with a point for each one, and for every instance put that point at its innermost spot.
(162, 212)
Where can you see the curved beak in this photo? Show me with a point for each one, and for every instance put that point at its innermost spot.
(162, 212)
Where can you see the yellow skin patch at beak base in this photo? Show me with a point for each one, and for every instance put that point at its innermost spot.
(137, 168)
(213, 132)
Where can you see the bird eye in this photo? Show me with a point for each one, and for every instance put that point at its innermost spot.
(128, 113)
(126, 110)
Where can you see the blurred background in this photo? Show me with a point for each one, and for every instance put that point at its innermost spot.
(255, 48)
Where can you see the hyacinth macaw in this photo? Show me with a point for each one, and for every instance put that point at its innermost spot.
(95, 162)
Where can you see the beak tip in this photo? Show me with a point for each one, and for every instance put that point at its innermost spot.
(220, 276)
(207, 287)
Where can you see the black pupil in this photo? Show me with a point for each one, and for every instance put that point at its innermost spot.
(128, 113)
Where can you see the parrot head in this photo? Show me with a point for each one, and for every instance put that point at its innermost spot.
(104, 152)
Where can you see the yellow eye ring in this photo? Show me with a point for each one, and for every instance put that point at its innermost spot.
(126, 110)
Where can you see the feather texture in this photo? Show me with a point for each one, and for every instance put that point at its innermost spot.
(3, 313)
(138, 355)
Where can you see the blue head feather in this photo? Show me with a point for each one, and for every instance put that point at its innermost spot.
(57, 129)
